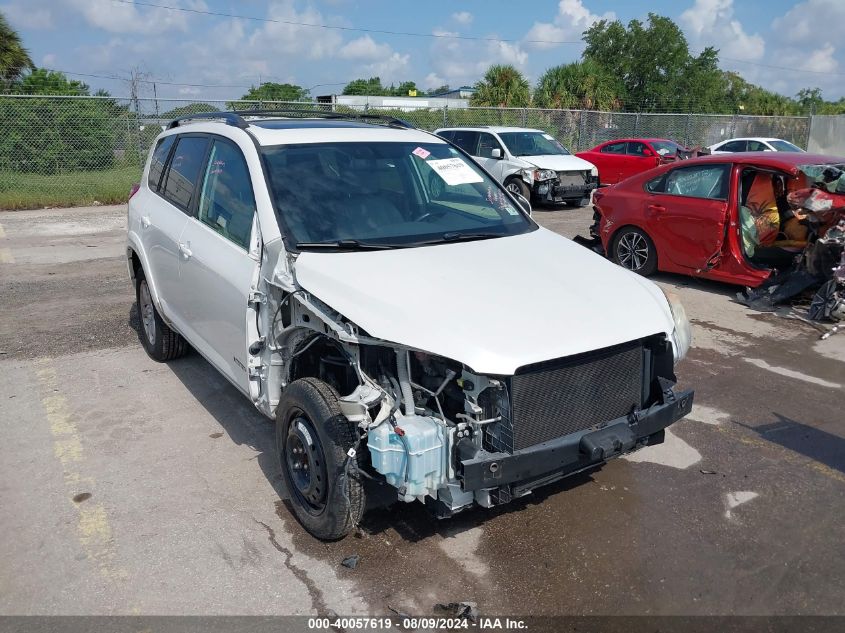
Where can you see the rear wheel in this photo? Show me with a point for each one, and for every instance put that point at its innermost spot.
(634, 250)
(159, 340)
(312, 440)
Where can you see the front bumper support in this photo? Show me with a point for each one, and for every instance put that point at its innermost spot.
(575, 452)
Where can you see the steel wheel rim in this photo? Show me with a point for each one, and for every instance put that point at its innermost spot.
(306, 464)
(632, 251)
(148, 322)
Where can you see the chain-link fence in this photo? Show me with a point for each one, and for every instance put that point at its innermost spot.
(57, 151)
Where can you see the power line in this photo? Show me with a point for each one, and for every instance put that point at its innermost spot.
(447, 36)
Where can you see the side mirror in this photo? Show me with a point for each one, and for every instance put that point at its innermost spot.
(648, 153)
(496, 153)
(523, 202)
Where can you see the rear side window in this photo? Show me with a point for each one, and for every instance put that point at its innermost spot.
(614, 148)
(184, 170)
(733, 146)
(158, 161)
(227, 204)
(466, 140)
(447, 134)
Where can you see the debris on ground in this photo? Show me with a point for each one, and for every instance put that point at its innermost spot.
(464, 610)
(351, 561)
(707, 472)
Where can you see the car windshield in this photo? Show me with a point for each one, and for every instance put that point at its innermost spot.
(386, 195)
(664, 148)
(532, 144)
(785, 146)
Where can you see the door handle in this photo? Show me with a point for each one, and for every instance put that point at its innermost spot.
(657, 208)
(185, 251)
(145, 221)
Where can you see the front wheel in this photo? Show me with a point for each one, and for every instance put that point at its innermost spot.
(312, 439)
(634, 250)
(516, 185)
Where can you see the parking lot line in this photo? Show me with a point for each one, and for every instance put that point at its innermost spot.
(93, 529)
(6, 256)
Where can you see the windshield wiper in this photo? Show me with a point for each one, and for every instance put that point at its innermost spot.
(456, 236)
(347, 245)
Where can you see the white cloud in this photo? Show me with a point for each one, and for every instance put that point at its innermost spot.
(811, 21)
(49, 60)
(821, 60)
(365, 48)
(462, 17)
(119, 17)
(462, 62)
(711, 23)
(27, 17)
(568, 25)
(390, 70)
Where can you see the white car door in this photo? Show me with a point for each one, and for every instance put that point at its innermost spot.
(216, 268)
(164, 217)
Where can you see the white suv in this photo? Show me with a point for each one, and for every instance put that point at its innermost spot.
(396, 311)
(529, 162)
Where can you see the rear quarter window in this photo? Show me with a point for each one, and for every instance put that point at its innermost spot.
(184, 170)
(159, 159)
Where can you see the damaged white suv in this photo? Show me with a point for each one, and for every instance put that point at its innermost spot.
(396, 311)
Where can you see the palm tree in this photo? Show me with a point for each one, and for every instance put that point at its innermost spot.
(582, 85)
(502, 87)
(14, 58)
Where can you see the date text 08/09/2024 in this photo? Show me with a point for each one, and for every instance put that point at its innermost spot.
(416, 623)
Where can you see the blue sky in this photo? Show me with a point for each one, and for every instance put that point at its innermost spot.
(783, 45)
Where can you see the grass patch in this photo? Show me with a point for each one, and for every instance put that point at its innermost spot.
(71, 189)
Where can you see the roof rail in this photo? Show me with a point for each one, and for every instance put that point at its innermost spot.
(231, 118)
(236, 117)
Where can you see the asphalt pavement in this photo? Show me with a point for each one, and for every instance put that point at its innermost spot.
(132, 487)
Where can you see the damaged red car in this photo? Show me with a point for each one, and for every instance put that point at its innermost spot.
(754, 219)
(623, 158)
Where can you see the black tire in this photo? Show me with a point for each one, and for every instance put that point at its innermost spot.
(161, 343)
(311, 431)
(516, 185)
(634, 250)
(578, 203)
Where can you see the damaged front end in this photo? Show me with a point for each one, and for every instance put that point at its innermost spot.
(439, 432)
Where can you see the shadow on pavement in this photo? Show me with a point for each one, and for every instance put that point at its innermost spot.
(820, 446)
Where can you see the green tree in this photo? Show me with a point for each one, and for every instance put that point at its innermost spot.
(585, 85)
(404, 89)
(652, 60)
(366, 87)
(14, 58)
(810, 100)
(48, 82)
(504, 87)
(440, 90)
(270, 91)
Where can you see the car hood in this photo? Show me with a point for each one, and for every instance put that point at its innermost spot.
(494, 305)
(558, 162)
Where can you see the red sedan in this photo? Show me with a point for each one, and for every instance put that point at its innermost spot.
(722, 217)
(623, 158)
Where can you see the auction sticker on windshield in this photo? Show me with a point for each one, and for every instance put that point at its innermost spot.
(454, 171)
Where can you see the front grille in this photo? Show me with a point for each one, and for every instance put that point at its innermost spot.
(555, 398)
(570, 178)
